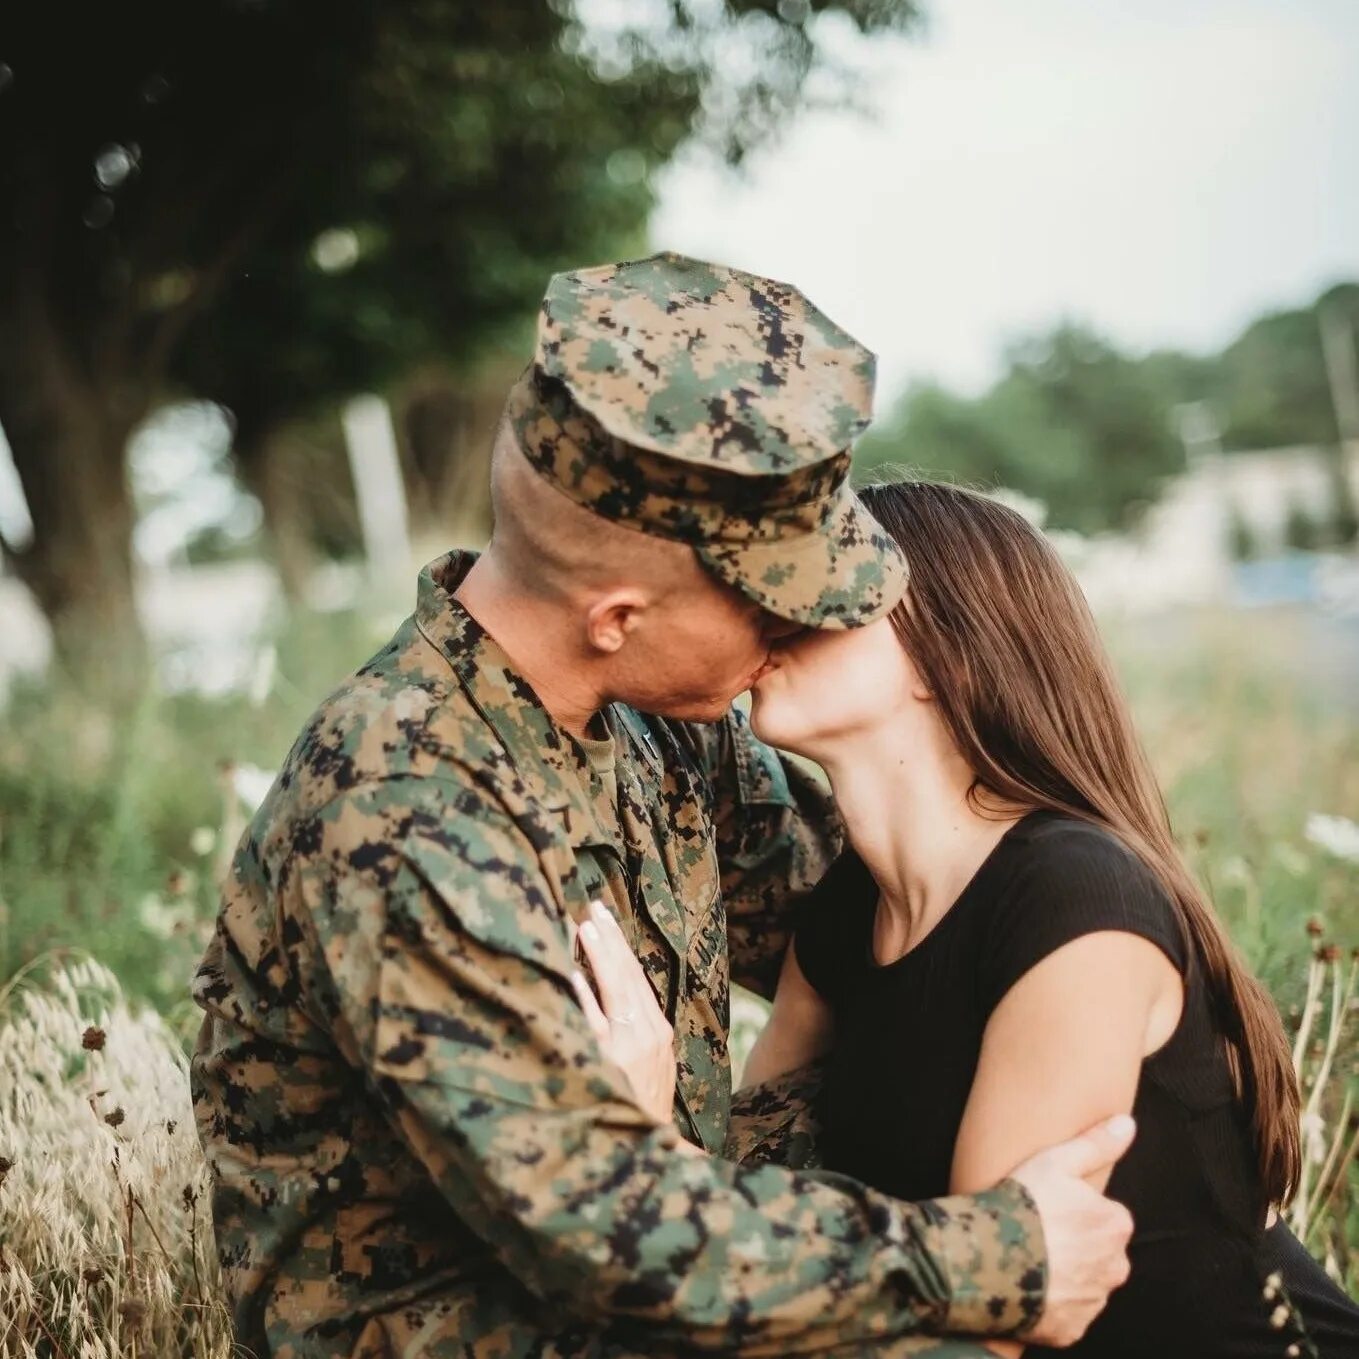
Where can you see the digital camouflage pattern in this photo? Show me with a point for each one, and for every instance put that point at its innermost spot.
(775, 1123)
(707, 405)
(418, 1147)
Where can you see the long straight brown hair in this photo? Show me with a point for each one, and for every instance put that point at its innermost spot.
(1002, 635)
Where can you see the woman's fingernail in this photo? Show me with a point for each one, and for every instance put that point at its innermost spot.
(598, 909)
(589, 931)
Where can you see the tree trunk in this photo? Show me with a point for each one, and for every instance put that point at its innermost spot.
(71, 456)
(447, 432)
(267, 471)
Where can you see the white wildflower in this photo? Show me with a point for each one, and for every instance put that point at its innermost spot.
(262, 675)
(1290, 859)
(1337, 835)
(1234, 871)
(160, 918)
(1314, 1136)
(251, 784)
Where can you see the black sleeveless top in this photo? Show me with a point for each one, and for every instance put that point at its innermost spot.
(908, 1036)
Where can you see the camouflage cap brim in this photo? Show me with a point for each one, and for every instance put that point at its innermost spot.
(844, 575)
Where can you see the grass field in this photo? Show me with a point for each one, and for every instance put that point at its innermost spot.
(112, 831)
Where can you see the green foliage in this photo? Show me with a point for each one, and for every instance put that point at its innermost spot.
(1091, 432)
(1272, 387)
(1302, 533)
(99, 814)
(274, 206)
(1072, 422)
(171, 176)
(1269, 387)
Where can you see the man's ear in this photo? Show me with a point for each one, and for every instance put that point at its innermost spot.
(612, 617)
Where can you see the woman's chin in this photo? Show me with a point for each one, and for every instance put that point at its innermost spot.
(770, 718)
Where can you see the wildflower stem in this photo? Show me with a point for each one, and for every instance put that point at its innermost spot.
(1341, 1175)
(58, 1348)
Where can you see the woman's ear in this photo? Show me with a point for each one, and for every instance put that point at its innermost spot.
(610, 619)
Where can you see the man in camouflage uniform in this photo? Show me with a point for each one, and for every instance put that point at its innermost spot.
(419, 1146)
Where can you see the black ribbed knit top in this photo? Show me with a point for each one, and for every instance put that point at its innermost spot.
(908, 1035)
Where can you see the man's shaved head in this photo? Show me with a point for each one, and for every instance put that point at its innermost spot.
(595, 613)
(550, 546)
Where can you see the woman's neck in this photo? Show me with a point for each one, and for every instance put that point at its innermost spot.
(905, 805)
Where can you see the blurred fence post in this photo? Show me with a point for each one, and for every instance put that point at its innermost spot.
(370, 439)
(1337, 343)
(1342, 372)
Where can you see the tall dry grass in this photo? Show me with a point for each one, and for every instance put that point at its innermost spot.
(1324, 1057)
(106, 1244)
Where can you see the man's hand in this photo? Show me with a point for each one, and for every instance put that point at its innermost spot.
(1086, 1234)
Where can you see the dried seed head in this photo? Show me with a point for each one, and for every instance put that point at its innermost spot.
(92, 1040)
(1315, 928)
(92, 1275)
(190, 1198)
(1329, 953)
(132, 1310)
(170, 1126)
(116, 1118)
(6, 1165)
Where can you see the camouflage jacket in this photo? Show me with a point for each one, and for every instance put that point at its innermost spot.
(418, 1147)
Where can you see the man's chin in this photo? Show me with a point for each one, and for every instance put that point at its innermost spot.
(701, 710)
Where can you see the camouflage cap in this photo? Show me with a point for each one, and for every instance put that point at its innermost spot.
(716, 408)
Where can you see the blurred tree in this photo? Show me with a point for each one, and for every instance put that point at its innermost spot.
(1091, 431)
(1271, 387)
(1071, 422)
(276, 204)
(1301, 532)
(1242, 540)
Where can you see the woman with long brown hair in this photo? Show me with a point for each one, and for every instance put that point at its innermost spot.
(1012, 948)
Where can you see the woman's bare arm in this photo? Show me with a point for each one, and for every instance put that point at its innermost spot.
(799, 1029)
(1063, 1050)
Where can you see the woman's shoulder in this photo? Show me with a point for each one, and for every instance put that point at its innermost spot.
(1068, 878)
(1054, 850)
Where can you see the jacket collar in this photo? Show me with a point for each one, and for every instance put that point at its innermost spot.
(549, 761)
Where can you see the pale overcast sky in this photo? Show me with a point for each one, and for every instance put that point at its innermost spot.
(1162, 169)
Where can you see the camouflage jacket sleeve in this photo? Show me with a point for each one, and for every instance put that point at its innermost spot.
(777, 833)
(433, 949)
(774, 1123)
